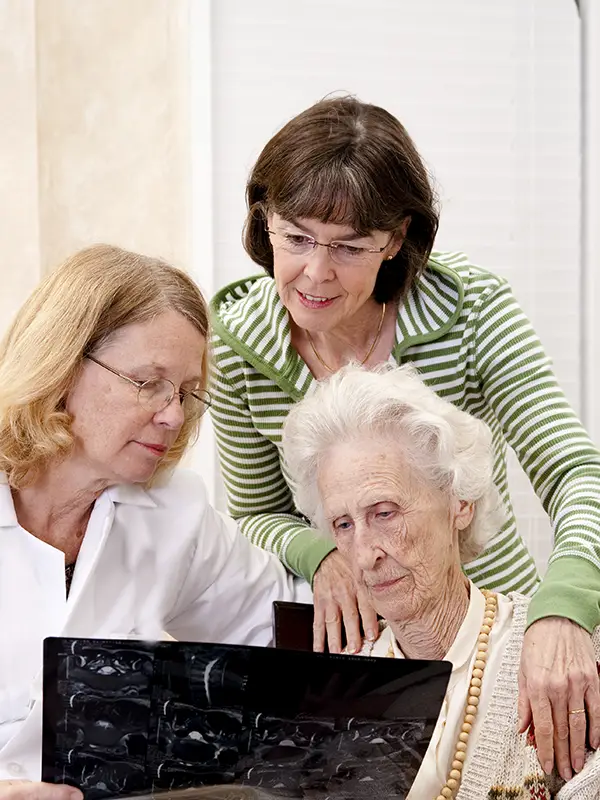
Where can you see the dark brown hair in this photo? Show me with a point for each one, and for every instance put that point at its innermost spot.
(350, 163)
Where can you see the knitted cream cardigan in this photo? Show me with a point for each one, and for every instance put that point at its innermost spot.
(503, 766)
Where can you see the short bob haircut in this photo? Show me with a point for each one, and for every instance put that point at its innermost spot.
(446, 446)
(346, 162)
(73, 312)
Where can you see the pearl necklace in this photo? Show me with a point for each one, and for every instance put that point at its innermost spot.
(365, 359)
(452, 785)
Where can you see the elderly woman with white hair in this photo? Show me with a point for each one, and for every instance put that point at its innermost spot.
(402, 480)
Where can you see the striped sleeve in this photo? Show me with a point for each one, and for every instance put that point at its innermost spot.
(539, 424)
(258, 497)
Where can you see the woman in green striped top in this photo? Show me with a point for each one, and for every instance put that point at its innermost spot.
(343, 219)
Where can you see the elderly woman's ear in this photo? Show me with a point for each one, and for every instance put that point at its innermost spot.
(463, 513)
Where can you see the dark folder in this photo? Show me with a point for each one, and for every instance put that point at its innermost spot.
(293, 625)
(126, 717)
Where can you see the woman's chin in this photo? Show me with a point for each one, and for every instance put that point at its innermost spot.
(314, 320)
(387, 600)
(138, 474)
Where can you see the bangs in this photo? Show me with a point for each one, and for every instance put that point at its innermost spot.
(332, 193)
(347, 163)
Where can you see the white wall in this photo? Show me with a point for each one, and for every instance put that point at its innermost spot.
(590, 14)
(490, 93)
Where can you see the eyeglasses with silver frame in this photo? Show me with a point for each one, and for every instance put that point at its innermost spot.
(343, 253)
(156, 394)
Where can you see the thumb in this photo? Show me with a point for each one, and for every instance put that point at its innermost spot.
(368, 616)
(46, 791)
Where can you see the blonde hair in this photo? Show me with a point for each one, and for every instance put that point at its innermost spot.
(74, 311)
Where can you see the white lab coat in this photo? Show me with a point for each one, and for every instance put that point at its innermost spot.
(153, 560)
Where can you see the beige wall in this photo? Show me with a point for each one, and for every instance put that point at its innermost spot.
(19, 214)
(94, 144)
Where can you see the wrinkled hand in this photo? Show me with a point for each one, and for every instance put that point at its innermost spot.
(559, 674)
(35, 790)
(337, 598)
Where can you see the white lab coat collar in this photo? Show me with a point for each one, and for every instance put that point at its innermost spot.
(132, 495)
(98, 528)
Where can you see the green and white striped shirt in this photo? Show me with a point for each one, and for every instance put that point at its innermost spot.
(471, 342)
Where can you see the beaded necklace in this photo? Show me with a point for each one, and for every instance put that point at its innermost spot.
(452, 785)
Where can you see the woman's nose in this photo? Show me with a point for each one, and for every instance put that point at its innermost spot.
(366, 558)
(319, 266)
(366, 551)
(172, 415)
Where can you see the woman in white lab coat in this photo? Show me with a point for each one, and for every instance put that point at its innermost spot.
(102, 386)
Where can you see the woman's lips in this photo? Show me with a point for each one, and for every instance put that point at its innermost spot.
(308, 302)
(384, 585)
(157, 449)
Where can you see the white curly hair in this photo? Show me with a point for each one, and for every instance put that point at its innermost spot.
(450, 448)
